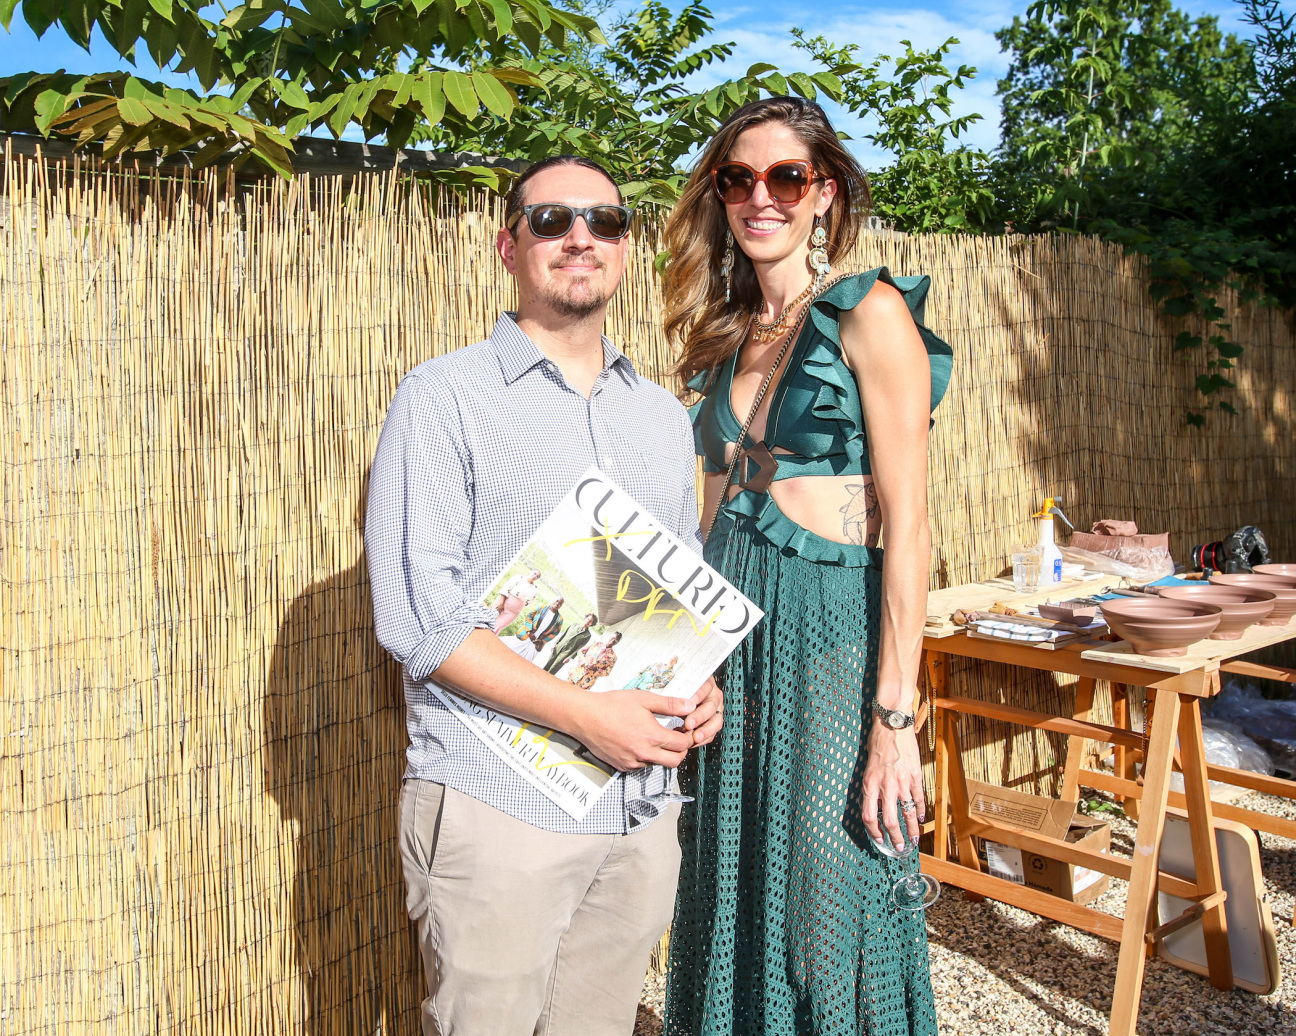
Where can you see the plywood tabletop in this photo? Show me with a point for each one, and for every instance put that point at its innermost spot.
(968, 597)
(1205, 654)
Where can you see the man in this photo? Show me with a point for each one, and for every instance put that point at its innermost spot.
(528, 921)
(541, 625)
(573, 640)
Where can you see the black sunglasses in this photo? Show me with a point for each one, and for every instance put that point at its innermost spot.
(551, 219)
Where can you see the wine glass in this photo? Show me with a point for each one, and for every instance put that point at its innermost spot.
(671, 774)
(667, 795)
(916, 891)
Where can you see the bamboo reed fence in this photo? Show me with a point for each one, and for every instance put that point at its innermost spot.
(200, 740)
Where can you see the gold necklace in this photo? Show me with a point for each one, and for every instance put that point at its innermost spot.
(764, 332)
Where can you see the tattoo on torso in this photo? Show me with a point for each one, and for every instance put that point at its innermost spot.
(858, 513)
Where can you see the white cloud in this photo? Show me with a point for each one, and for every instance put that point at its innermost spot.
(879, 30)
(876, 32)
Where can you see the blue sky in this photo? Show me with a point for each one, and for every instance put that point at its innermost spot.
(761, 32)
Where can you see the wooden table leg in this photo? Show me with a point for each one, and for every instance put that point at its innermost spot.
(1123, 758)
(1192, 751)
(1143, 878)
(1084, 696)
(937, 666)
(958, 797)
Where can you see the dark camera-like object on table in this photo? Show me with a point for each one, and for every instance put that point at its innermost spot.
(1239, 552)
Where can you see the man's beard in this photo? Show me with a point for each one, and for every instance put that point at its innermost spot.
(581, 298)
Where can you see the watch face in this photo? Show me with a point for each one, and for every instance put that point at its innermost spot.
(896, 720)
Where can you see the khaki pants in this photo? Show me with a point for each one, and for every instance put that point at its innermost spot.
(524, 931)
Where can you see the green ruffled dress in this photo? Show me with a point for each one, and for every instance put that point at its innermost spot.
(784, 925)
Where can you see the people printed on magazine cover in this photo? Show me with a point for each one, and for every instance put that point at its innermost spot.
(514, 597)
(540, 625)
(597, 664)
(654, 677)
(571, 642)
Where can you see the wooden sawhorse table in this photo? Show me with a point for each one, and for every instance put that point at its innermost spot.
(1174, 706)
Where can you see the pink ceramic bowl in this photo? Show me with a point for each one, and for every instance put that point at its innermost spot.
(1240, 607)
(1069, 611)
(1158, 626)
(1287, 571)
(1283, 587)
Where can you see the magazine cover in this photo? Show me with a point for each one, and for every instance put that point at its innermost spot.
(605, 598)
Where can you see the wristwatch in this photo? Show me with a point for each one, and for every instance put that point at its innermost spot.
(893, 718)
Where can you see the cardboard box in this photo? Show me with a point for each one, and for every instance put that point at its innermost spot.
(1044, 816)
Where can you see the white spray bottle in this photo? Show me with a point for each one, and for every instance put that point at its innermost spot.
(1050, 555)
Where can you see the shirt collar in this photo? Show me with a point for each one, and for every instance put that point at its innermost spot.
(518, 354)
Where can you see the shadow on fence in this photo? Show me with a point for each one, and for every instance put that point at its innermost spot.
(333, 754)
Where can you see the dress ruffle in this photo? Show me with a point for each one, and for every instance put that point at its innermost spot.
(792, 538)
(847, 294)
(835, 400)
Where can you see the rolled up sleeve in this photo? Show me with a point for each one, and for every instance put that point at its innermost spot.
(417, 525)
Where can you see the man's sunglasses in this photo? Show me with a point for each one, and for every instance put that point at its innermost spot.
(551, 219)
(787, 181)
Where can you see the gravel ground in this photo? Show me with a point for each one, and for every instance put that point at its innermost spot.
(997, 969)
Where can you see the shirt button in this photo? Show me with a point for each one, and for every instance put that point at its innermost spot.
(607, 462)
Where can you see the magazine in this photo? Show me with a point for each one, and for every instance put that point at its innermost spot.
(605, 598)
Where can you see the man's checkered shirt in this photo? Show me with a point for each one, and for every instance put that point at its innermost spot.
(477, 449)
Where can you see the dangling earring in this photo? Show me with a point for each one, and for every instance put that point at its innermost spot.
(727, 263)
(818, 258)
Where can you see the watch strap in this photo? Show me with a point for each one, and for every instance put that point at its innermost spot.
(888, 714)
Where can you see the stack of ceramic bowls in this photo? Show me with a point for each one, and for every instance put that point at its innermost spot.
(1283, 587)
(1241, 607)
(1161, 626)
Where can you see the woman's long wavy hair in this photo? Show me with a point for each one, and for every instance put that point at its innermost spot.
(708, 329)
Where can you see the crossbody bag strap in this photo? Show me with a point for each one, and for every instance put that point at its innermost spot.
(760, 396)
(742, 435)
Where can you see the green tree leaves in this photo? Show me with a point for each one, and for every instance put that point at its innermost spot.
(623, 104)
(1129, 119)
(272, 69)
(935, 184)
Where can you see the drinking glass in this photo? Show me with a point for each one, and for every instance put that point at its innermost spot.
(1026, 569)
(667, 795)
(916, 891)
(672, 774)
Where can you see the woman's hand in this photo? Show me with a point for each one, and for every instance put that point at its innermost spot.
(705, 721)
(893, 775)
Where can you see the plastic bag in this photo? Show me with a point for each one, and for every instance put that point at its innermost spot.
(1250, 755)
(1220, 751)
(1223, 748)
(1138, 563)
(1269, 725)
(1282, 752)
(1237, 701)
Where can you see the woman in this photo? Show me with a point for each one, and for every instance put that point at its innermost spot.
(784, 922)
(598, 662)
(514, 597)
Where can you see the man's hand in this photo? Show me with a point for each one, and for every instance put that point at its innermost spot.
(706, 720)
(621, 728)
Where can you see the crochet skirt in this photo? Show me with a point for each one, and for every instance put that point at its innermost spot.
(784, 924)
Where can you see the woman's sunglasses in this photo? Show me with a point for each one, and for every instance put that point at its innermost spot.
(787, 181)
(550, 219)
